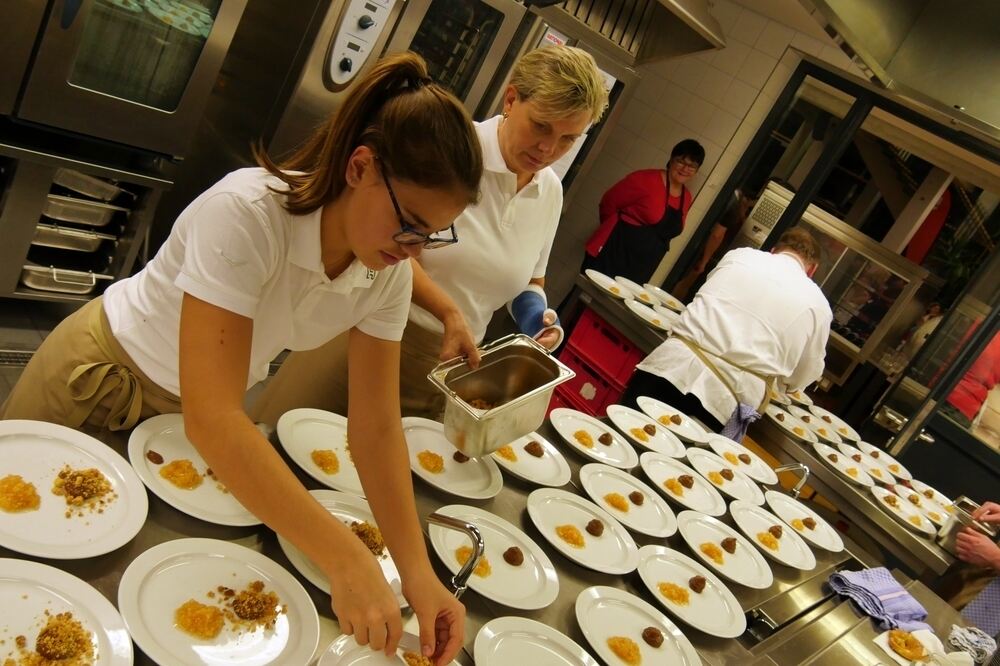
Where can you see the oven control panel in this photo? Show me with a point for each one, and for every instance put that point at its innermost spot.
(362, 23)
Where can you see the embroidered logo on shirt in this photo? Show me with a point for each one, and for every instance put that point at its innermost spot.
(232, 262)
(371, 274)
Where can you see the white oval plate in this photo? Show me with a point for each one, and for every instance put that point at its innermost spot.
(792, 426)
(843, 464)
(821, 429)
(618, 454)
(635, 289)
(939, 498)
(665, 297)
(756, 469)
(799, 397)
(646, 313)
(30, 590)
(662, 441)
(869, 464)
(302, 431)
(689, 430)
(346, 508)
(516, 640)
(550, 470)
(669, 316)
(894, 466)
(934, 512)
(606, 283)
(715, 611)
(702, 497)
(903, 512)
(779, 398)
(614, 552)
(532, 585)
(164, 434)
(792, 549)
(741, 487)
(790, 509)
(603, 612)
(345, 651)
(841, 427)
(653, 517)
(157, 582)
(746, 566)
(37, 451)
(477, 478)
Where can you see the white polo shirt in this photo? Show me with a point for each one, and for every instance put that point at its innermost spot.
(236, 247)
(503, 241)
(758, 310)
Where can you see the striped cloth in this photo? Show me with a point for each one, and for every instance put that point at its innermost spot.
(877, 594)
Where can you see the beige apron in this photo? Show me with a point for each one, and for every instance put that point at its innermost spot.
(81, 376)
(703, 355)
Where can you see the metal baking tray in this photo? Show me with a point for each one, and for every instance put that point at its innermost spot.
(64, 238)
(80, 211)
(49, 278)
(516, 377)
(96, 188)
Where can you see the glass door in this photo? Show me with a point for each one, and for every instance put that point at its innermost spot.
(132, 71)
(463, 41)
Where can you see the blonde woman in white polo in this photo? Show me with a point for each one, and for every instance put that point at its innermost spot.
(555, 94)
(290, 256)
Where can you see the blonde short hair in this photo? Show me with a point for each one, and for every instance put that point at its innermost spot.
(561, 81)
(800, 242)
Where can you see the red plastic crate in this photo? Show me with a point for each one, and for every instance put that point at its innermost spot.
(604, 348)
(588, 391)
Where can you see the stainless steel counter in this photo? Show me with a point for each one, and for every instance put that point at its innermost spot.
(924, 558)
(798, 602)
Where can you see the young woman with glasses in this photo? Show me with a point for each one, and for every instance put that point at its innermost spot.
(554, 95)
(283, 257)
(641, 214)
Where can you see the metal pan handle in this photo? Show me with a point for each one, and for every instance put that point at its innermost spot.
(89, 283)
(459, 582)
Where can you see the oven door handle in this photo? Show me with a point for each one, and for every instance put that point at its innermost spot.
(69, 12)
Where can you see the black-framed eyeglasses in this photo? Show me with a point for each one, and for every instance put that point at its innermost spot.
(684, 165)
(408, 234)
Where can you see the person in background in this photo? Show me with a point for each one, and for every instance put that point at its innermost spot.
(979, 550)
(759, 318)
(641, 214)
(722, 234)
(554, 94)
(975, 385)
(289, 257)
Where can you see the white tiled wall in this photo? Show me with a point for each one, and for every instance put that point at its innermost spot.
(718, 97)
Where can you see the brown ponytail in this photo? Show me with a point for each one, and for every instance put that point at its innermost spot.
(419, 130)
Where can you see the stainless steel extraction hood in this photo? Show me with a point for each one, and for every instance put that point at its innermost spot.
(635, 32)
(940, 53)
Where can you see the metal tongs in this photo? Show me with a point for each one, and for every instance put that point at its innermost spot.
(459, 582)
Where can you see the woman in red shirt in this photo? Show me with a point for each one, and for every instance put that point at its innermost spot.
(641, 213)
(974, 387)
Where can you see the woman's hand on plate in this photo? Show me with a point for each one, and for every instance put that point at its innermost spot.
(364, 604)
(440, 614)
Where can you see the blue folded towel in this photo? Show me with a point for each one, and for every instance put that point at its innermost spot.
(877, 594)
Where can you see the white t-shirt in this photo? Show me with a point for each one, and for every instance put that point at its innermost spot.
(236, 247)
(503, 241)
(758, 310)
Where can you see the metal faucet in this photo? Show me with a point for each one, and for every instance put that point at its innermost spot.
(795, 467)
(459, 582)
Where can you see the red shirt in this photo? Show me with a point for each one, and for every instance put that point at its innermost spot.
(973, 388)
(638, 198)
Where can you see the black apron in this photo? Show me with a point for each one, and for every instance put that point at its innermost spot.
(635, 250)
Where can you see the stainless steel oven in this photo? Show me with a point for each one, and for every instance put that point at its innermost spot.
(463, 41)
(136, 72)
